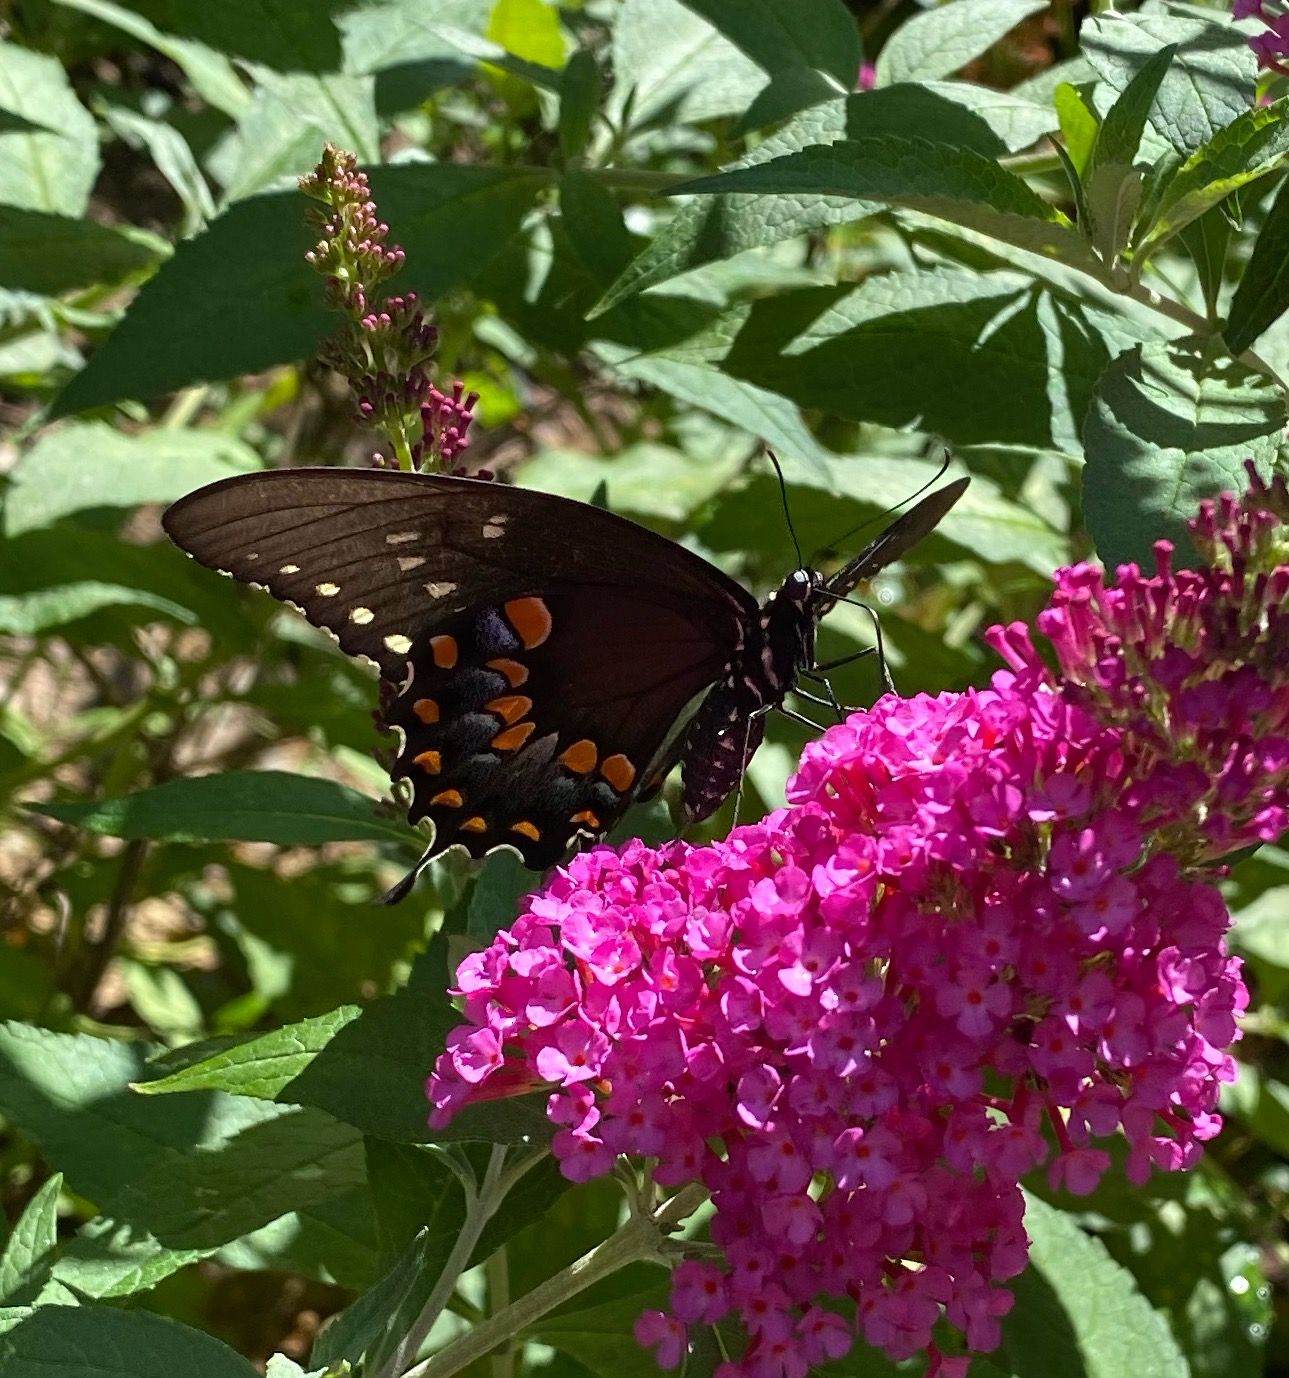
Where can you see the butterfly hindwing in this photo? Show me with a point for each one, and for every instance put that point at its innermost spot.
(533, 722)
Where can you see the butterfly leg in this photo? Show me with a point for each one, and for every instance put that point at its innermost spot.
(793, 716)
(817, 671)
(738, 789)
(831, 701)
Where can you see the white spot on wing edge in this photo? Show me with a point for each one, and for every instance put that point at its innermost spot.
(361, 615)
(402, 537)
(440, 590)
(491, 530)
(407, 563)
(326, 590)
(400, 645)
(289, 569)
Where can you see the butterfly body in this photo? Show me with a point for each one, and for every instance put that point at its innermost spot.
(730, 724)
(538, 656)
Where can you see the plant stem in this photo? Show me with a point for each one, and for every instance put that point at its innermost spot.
(498, 1270)
(480, 1206)
(638, 1240)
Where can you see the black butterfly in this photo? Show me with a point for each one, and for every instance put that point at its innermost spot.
(538, 653)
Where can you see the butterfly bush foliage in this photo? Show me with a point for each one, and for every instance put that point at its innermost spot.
(610, 250)
(984, 937)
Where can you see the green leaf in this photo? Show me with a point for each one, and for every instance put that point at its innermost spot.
(594, 225)
(42, 610)
(367, 1067)
(1113, 185)
(529, 29)
(703, 382)
(1169, 425)
(704, 231)
(1251, 147)
(602, 1337)
(290, 1160)
(334, 1241)
(1119, 137)
(854, 491)
(1078, 125)
(644, 480)
(942, 41)
(50, 254)
(107, 1259)
(1079, 1314)
(787, 93)
(782, 34)
(1024, 360)
(28, 1256)
(365, 1321)
(196, 320)
(91, 465)
(312, 945)
(212, 75)
(546, 76)
(1262, 294)
(950, 183)
(290, 117)
(52, 167)
(238, 806)
(670, 66)
(279, 33)
(101, 1342)
(502, 881)
(372, 1073)
(173, 159)
(70, 1095)
(1207, 240)
(580, 90)
(1210, 83)
(261, 1066)
(1112, 197)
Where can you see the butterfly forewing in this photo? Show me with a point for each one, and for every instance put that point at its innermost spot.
(898, 538)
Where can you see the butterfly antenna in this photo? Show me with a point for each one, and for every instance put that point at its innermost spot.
(783, 497)
(889, 512)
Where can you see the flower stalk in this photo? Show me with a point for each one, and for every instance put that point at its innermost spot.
(386, 347)
(641, 1239)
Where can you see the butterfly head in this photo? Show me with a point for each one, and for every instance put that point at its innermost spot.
(800, 586)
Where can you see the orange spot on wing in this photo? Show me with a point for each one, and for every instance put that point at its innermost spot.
(475, 825)
(581, 757)
(515, 673)
(531, 618)
(514, 737)
(427, 710)
(447, 799)
(509, 707)
(619, 772)
(528, 830)
(586, 816)
(430, 761)
(444, 650)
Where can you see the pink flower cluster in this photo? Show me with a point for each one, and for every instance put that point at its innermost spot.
(1271, 46)
(980, 940)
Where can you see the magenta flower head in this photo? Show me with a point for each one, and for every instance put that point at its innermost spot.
(983, 938)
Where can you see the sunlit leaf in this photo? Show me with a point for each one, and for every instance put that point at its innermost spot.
(1170, 425)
